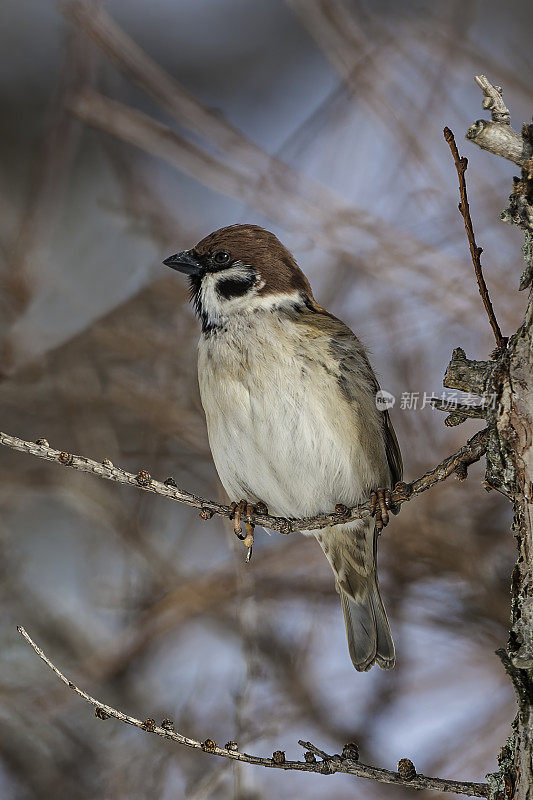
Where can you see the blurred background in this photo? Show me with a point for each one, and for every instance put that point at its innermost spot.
(129, 131)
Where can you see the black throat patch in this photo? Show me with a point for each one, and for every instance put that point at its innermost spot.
(234, 287)
(226, 289)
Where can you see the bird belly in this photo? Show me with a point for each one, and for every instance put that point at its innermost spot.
(279, 434)
(271, 451)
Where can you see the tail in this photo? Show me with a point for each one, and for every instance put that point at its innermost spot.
(351, 552)
(367, 628)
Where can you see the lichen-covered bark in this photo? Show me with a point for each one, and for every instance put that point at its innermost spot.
(509, 378)
(510, 469)
(515, 430)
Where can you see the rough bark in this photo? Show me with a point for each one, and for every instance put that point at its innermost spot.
(510, 463)
(510, 454)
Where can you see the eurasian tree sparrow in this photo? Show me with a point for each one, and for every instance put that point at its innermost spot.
(290, 402)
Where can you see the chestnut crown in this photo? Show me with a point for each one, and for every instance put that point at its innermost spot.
(236, 268)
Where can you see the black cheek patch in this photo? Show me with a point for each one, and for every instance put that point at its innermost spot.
(234, 287)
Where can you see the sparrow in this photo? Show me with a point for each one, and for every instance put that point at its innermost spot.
(290, 403)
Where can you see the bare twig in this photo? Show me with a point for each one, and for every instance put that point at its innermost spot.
(469, 453)
(328, 765)
(475, 251)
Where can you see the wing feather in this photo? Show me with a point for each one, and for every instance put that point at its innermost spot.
(355, 374)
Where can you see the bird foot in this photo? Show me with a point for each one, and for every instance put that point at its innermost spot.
(380, 505)
(245, 509)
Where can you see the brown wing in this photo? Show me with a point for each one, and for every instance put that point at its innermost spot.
(354, 369)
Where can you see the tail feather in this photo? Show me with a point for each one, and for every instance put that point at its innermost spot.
(361, 632)
(385, 653)
(367, 628)
(351, 551)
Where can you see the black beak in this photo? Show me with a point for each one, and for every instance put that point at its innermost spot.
(184, 262)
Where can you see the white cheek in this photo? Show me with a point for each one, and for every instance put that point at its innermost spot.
(209, 298)
(217, 307)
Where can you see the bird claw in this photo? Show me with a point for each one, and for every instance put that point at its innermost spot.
(402, 492)
(237, 511)
(246, 510)
(380, 505)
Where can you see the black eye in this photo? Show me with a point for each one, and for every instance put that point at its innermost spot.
(221, 257)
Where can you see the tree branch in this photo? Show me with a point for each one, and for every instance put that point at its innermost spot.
(475, 251)
(470, 452)
(509, 449)
(497, 136)
(474, 412)
(328, 765)
(493, 100)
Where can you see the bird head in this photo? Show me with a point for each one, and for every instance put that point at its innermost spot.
(238, 270)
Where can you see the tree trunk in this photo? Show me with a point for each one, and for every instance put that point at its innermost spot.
(514, 428)
(510, 452)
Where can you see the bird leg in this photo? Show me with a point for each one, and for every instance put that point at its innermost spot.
(245, 509)
(380, 505)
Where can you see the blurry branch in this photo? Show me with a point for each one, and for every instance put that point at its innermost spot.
(205, 593)
(461, 165)
(252, 175)
(327, 765)
(158, 84)
(466, 55)
(343, 30)
(456, 463)
(154, 137)
(140, 201)
(54, 155)
(337, 30)
(497, 136)
(395, 250)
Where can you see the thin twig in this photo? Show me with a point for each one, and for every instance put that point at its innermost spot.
(327, 766)
(313, 749)
(475, 251)
(470, 452)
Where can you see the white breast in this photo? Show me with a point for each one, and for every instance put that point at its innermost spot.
(279, 429)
